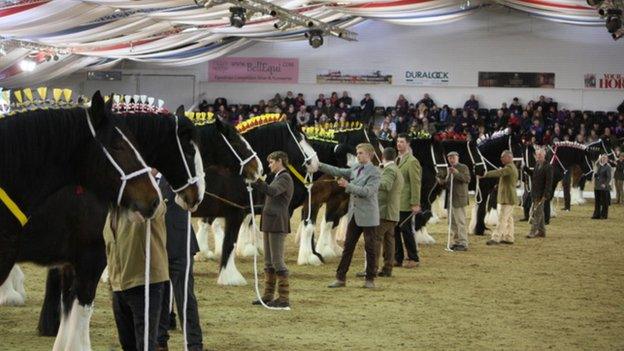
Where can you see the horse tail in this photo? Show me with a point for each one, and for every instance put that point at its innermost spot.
(320, 257)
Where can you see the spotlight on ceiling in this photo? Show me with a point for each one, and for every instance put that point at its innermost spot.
(237, 18)
(27, 65)
(614, 23)
(315, 38)
(281, 25)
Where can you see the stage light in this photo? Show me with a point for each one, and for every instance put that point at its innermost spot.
(315, 38)
(27, 65)
(281, 25)
(237, 18)
(613, 24)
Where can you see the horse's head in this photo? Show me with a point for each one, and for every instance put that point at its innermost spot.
(222, 145)
(310, 158)
(600, 147)
(113, 162)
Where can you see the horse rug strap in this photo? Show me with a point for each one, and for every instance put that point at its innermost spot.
(13, 207)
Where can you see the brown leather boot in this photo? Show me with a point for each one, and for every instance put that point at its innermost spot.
(269, 286)
(283, 290)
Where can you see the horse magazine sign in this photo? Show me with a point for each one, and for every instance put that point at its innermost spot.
(352, 77)
(609, 81)
(516, 80)
(424, 78)
(254, 70)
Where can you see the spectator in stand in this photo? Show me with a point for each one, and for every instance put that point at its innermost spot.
(223, 114)
(472, 104)
(320, 102)
(203, 106)
(299, 101)
(336, 117)
(291, 114)
(542, 103)
(504, 108)
(388, 119)
(428, 101)
(333, 100)
(434, 114)
(537, 130)
(454, 117)
(401, 105)
(385, 133)
(289, 99)
(303, 116)
(515, 107)
(220, 101)
(592, 136)
(342, 107)
(276, 100)
(319, 105)
(621, 108)
(316, 116)
(402, 125)
(444, 117)
(368, 107)
(346, 99)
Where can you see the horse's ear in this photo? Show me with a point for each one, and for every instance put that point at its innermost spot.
(180, 111)
(109, 104)
(98, 110)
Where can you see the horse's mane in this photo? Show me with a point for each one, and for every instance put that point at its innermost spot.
(570, 144)
(330, 132)
(258, 121)
(498, 135)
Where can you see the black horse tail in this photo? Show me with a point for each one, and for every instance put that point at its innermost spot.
(320, 257)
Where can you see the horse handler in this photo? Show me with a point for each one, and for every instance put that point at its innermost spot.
(275, 223)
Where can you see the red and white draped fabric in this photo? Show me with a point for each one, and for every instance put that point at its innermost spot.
(97, 34)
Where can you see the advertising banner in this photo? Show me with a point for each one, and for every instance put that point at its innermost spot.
(609, 81)
(516, 80)
(329, 76)
(254, 70)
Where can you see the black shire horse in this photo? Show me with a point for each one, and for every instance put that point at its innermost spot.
(44, 150)
(67, 229)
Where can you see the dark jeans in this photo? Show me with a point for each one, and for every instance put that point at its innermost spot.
(194, 332)
(353, 235)
(128, 308)
(601, 203)
(405, 235)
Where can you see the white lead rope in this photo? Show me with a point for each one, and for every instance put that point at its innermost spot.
(255, 238)
(187, 274)
(450, 213)
(148, 258)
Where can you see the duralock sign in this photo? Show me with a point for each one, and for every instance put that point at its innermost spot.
(424, 78)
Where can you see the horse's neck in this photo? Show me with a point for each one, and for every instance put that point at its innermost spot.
(147, 130)
(30, 173)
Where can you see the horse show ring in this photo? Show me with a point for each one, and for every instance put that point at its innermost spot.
(537, 294)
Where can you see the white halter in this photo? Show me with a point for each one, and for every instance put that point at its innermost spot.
(191, 180)
(123, 176)
(240, 159)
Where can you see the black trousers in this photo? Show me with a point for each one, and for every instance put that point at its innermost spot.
(566, 182)
(527, 202)
(128, 308)
(177, 270)
(602, 198)
(405, 235)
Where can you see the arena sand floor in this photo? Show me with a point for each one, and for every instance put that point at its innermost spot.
(562, 293)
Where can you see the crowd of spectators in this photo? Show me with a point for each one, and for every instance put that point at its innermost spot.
(542, 120)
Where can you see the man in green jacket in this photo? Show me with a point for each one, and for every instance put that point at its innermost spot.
(389, 199)
(125, 253)
(506, 197)
(461, 177)
(409, 204)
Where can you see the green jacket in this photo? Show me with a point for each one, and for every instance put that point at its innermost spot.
(508, 177)
(411, 172)
(460, 185)
(389, 196)
(125, 251)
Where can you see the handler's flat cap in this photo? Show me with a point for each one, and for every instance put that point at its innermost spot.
(452, 153)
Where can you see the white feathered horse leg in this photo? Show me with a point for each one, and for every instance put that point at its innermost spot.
(202, 240)
(472, 225)
(229, 275)
(423, 237)
(491, 218)
(78, 327)
(104, 277)
(219, 234)
(9, 294)
(576, 196)
(324, 243)
(553, 208)
(341, 230)
(306, 255)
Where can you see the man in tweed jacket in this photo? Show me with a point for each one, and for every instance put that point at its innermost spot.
(362, 184)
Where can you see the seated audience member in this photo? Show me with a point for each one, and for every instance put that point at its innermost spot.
(471, 104)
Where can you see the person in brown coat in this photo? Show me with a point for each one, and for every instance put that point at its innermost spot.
(275, 223)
